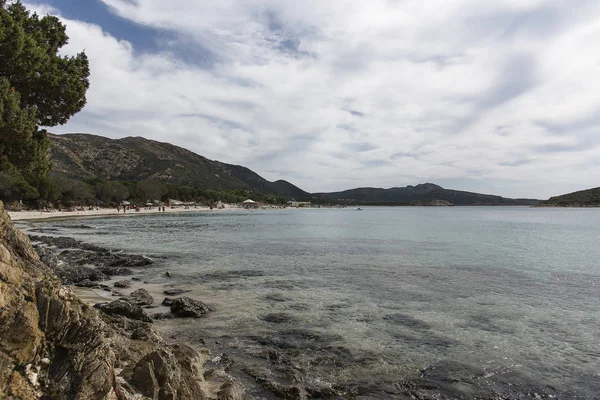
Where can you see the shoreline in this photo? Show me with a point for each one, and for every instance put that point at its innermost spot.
(20, 216)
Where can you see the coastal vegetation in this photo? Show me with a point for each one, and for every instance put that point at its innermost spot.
(38, 88)
(582, 198)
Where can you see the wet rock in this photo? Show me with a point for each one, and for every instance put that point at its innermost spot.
(167, 301)
(113, 271)
(122, 284)
(124, 308)
(87, 284)
(175, 292)
(223, 361)
(159, 316)
(232, 389)
(185, 307)
(141, 297)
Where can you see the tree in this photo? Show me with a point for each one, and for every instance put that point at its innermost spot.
(54, 85)
(38, 87)
(152, 189)
(112, 192)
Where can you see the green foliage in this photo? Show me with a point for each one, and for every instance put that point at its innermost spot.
(582, 198)
(14, 187)
(17, 131)
(112, 192)
(54, 85)
(152, 189)
(37, 87)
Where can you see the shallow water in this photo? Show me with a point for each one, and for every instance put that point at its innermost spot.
(477, 301)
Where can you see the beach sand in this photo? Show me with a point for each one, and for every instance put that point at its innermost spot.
(104, 212)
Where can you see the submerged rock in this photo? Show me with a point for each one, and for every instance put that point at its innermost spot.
(124, 308)
(185, 307)
(175, 292)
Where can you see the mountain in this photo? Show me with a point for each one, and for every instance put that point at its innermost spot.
(423, 194)
(81, 156)
(582, 198)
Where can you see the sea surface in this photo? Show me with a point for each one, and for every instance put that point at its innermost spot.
(458, 302)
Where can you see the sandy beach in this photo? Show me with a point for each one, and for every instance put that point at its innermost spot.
(104, 212)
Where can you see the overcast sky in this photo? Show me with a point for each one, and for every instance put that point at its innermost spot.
(495, 96)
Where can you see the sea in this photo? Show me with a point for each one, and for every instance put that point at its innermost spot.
(384, 302)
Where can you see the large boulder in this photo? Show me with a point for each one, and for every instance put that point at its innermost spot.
(124, 308)
(185, 307)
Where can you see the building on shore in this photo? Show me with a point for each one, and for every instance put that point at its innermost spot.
(249, 203)
(299, 204)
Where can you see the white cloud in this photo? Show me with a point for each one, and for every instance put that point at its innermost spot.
(339, 94)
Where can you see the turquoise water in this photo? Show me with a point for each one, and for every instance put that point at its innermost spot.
(477, 300)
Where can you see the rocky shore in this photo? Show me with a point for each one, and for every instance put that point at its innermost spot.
(54, 346)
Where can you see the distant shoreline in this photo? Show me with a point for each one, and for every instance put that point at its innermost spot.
(103, 212)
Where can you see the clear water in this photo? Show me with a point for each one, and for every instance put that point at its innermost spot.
(501, 299)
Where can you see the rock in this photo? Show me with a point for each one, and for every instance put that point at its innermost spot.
(113, 271)
(168, 274)
(175, 292)
(140, 334)
(159, 316)
(122, 284)
(151, 374)
(141, 297)
(185, 307)
(231, 390)
(167, 301)
(71, 274)
(124, 308)
(86, 283)
(53, 346)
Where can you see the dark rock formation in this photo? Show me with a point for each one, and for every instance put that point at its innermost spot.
(122, 284)
(141, 297)
(185, 307)
(78, 261)
(175, 292)
(124, 308)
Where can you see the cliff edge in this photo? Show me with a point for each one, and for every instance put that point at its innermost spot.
(53, 346)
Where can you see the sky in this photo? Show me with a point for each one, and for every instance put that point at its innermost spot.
(495, 96)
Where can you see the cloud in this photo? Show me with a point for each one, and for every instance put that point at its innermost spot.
(498, 96)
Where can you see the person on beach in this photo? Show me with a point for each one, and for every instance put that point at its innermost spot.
(118, 209)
